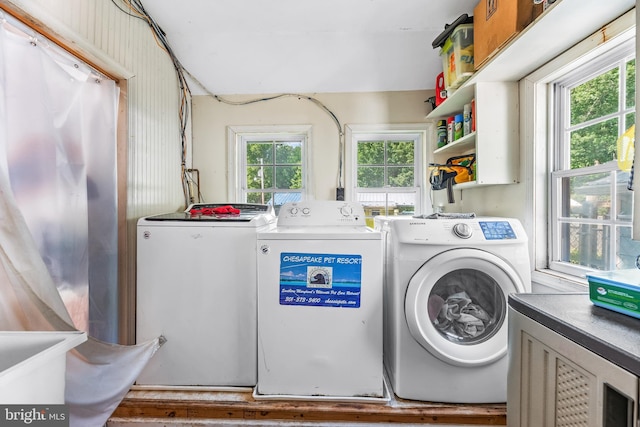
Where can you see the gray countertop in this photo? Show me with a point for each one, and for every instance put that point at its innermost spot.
(611, 335)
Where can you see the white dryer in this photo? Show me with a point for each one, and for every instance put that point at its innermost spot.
(320, 303)
(196, 286)
(446, 288)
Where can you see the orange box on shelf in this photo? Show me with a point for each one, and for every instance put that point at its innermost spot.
(496, 22)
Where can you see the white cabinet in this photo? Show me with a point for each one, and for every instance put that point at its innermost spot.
(495, 141)
(553, 381)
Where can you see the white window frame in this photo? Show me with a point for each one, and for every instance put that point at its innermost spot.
(615, 58)
(237, 138)
(536, 127)
(418, 132)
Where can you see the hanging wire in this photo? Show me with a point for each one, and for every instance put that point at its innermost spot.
(315, 101)
(136, 10)
(307, 98)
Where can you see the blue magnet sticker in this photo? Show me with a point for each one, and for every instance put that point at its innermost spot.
(320, 280)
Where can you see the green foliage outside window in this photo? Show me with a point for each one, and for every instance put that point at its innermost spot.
(274, 165)
(593, 101)
(386, 164)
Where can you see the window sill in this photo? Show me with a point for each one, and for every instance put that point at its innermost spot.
(553, 281)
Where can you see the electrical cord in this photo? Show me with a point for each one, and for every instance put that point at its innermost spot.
(315, 101)
(138, 12)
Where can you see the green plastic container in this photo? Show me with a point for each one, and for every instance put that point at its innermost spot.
(616, 290)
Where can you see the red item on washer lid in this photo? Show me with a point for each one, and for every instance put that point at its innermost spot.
(218, 210)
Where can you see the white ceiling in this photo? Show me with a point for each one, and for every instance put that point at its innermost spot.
(307, 46)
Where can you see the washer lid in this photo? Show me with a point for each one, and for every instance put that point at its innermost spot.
(220, 212)
(456, 306)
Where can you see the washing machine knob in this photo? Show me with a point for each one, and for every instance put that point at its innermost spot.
(462, 230)
(293, 211)
(346, 210)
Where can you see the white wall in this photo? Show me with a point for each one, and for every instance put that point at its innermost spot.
(496, 200)
(211, 118)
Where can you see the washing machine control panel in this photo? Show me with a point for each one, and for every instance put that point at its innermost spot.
(467, 231)
(321, 213)
(497, 230)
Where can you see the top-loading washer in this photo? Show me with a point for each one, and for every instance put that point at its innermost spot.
(196, 286)
(446, 288)
(320, 303)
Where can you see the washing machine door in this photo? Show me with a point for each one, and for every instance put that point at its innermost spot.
(456, 306)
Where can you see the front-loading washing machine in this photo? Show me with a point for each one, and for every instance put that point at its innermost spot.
(320, 303)
(445, 294)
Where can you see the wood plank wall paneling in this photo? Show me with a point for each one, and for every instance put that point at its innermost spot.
(153, 169)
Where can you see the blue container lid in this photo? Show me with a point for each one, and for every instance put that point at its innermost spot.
(627, 278)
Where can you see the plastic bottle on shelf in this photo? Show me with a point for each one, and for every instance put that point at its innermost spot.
(457, 126)
(466, 117)
(442, 133)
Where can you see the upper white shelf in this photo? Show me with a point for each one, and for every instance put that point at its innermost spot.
(560, 27)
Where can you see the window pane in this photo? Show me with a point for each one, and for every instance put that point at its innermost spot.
(589, 196)
(259, 152)
(402, 203)
(627, 249)
(631, 84)
(371, 153)
(629, 119)
(289, 153)
(595, 144)
(288, 177)
(261, 198)
(280, 199)
(377, 203)
(254, 176)
(371, 177)
(586, 245)
(259, 176)
(595, 98)
(400, 176)
(400, 153)
(624, 198)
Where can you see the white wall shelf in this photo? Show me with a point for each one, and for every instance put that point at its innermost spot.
(463, 144)
(495, 141)
(494, 85)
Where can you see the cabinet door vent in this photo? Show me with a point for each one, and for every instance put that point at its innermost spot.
(572, 397)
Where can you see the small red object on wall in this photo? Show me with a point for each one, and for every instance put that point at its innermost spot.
(441, 92)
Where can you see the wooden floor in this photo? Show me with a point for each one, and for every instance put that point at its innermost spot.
(196, 406)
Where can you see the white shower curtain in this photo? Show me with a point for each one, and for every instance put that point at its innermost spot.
(58, 227)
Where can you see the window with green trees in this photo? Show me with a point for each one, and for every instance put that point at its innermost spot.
(273, 168)
(387, 173)
(591, 205)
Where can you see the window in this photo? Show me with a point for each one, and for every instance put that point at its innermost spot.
(591, 206)
(387, 173)
(270, 165)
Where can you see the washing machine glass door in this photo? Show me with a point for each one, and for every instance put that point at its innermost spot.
(456, 306)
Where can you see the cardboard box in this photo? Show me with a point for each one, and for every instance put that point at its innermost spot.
(496, 22)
